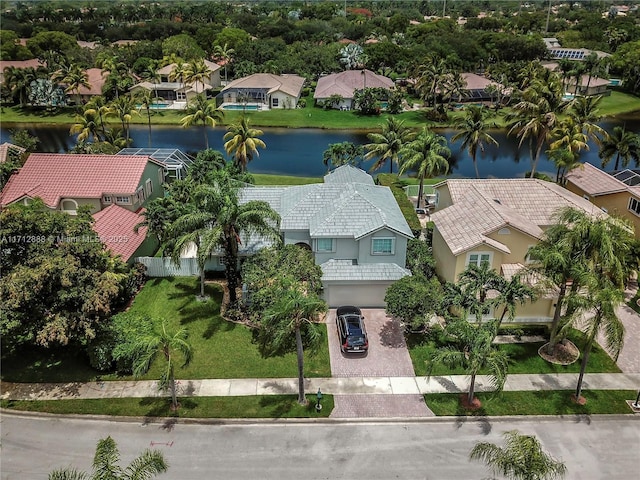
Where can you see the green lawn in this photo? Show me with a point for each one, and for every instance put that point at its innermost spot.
(268, 179)
(308, 117)
(267, 406)
(221, 349)
(599, 402)
(524, 358)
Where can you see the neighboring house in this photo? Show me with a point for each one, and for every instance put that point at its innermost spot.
(346, 83)
(115, 187)
(496, 221)
(6, 148)
(478, 88)
(557, 52)
(589, 86)
(262, 91)
(33, 63)
(175, 92)
(115, 227)
(609, 192)
(354, 228)
(96, 79)
(65, 182)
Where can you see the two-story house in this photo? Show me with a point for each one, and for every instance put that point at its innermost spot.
(354, 228)
(496, 221)
(114, 187)
(609, 192)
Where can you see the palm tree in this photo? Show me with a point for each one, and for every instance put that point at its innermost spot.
(536, 115)
(386, 145)
(87, 126)
(294, 311)
(100, 105)
(473, 132)
(224, 54)
(430, 79)
(522, 458)
(201, 110)
(345, 153)
(473, 350)
(242, 142)
(475, 282)
(196, 72)
(178, 72)
(124, 108)
(105, 465)
(565, 160)
(511, 293)
(568, 137)
(601, 299)
(623, 144)
(18, 81)
(147, 99)
(583, 111)
(172, 345)
(75, 78)
(427, 154)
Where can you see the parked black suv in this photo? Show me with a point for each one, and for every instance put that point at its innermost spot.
(351, 331)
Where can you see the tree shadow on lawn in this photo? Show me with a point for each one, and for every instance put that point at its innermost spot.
(37, 365)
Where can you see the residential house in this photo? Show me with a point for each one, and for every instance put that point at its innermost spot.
(96, 79)
(589, 86)
(345, 84)
(6, 149)
(617, 194)
(496, 221)
(175, 92)
(478, 89)
(262, 91)
(21, 64)
(114, 187)
(557, 52)
(354, 228)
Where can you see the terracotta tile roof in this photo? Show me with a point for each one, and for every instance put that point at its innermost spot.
(52, 176)
(477, 82)
(96, 79)
(482, 207)
(115, 228)
(594, 181)
(347, 82)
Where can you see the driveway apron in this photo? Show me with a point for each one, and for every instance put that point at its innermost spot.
(387, 357)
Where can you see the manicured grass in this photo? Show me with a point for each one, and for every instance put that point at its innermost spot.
(557, 402)
(266, 406)
(524, 357)
(267, 179)
(619, 102)
(221, 349)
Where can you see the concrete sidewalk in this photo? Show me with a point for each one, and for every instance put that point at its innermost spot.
(335, 386)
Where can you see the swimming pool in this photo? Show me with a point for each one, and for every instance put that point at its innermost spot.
(235, 106)
(155, 106)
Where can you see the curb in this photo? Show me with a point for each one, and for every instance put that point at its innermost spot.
(172, 421)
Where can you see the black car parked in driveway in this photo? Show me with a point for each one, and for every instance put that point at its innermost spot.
(351, 331)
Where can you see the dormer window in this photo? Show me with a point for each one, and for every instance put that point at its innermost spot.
(325, 245)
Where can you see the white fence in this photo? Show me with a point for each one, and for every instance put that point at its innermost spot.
(164, 267)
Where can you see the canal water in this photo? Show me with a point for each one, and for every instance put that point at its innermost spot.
(299, 151)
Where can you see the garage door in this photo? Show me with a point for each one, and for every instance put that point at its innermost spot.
(368, 295)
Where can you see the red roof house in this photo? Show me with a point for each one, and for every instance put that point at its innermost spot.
(115, 227)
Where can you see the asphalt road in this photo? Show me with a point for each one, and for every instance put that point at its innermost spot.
(593, 449)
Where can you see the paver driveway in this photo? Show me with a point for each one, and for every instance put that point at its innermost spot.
(387, 357)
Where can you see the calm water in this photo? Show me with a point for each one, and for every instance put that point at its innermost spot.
(299, 152)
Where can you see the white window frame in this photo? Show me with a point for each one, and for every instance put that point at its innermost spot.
(123, 200)
(634, 206)
(107, 199)
(148, 186)
(324, 250)
(275, 102)
(73, 210)
(479, 255)
(527, 259)
(161, 175)
(383, 252)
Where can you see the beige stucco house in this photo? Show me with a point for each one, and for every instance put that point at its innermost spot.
(262, 91)
(608, 192)
(496, 221)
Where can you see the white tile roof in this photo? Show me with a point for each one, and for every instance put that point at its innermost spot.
(345, 270)
(481, 207)
(347, 82)
(594, 181)
(289, 84)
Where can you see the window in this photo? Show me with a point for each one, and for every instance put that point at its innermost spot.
(324, 245)
(504, 231)
(382, 246)
(123, 200)
(479, 258)
(161, 176)
(107, 199)
(529, 258)
(148, 185)
(634, 206)
(274, 102)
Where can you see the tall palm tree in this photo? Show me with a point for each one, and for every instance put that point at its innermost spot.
(294, 310)
(386, 145)
(224, 53)
(147, 98)
(201, 110)
(584, 112)
(522, 458)
(124, 108)
(511, 293)
(75, 78)
(623, 144)
(601, 299)
(87, 126)
(537, 115)
(565, 160)
(18, 81)
(178, 72)
(473, 351)
(105, 465)
(430, 77)
(568, 137)
(473, 132)
(475, 282)
(172, 345)
(428, 155)
(242, 142)
(196, 72)
(101, 106)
